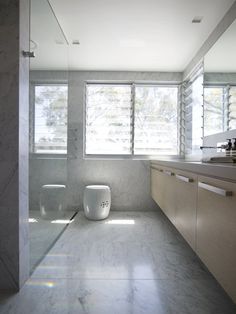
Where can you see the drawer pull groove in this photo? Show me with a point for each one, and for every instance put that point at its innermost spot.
(214, 189)
(168, 173)
(183, 178)
(157, 169)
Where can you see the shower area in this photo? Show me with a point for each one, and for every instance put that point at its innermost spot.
(48, 212)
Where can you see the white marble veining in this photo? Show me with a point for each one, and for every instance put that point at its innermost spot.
(130, 263)
(68, 296)
(14, 71)
(154, 250)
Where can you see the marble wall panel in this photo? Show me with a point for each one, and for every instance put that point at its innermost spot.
(24, 143)
(14, 37)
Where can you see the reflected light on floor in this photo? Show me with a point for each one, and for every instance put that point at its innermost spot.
(145, 271)
(33, 220)
(120, 222)
(62, 221)
(51, 267)
(59, 255)
(48, 284)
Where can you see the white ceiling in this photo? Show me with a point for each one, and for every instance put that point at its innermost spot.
(150, 35)
(45, 32)
(222, 56)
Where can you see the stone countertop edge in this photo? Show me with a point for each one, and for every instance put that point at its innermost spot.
(218, 171)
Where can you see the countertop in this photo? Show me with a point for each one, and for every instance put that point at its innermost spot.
(225, 171)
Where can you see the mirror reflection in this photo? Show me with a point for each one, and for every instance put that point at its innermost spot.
(220, 84)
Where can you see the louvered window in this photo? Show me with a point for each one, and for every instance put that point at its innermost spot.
(50, 119)
(156, 127)
(219, 109)
(108, 119)
(193, 107)
(215, 110)
(232, 107)
(130, 119)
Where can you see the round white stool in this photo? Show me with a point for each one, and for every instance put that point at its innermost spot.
(52, 200)
(97, 201)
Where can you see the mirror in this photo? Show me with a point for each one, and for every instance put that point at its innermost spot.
(220, 84)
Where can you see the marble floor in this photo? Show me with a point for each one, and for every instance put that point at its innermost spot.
(43, 233)
(131, 263)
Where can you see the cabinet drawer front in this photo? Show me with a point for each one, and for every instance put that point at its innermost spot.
(186, 206)
(157, 185)
(214, 189)
(184, 178)
(216, 230)
(163, 189)
(169, 193)
(187, 177)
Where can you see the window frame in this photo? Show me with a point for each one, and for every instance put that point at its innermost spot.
(133, 156)
(32, 151)
(225, 107)
(191, 151)
(227, 87)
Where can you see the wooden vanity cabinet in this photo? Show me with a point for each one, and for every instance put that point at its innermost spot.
(169, 194)
(203, 209)
(157, 186)
(216, 230)
(186, 206)
(163, 190)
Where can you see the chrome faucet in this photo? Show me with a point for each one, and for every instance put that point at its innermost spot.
(226, 146)
(223, 146)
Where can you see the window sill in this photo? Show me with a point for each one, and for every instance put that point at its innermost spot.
(47, 156)
(131, 157)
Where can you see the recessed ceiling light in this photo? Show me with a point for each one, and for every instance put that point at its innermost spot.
(76, 42)
(197, 19)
